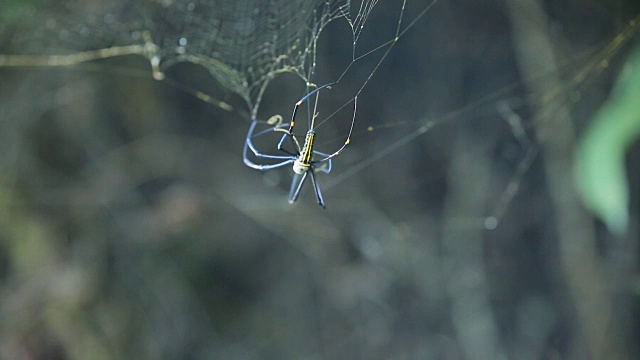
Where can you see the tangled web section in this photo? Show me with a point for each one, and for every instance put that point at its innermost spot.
(242, 43)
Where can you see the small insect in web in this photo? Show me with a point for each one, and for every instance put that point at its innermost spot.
(302, 157)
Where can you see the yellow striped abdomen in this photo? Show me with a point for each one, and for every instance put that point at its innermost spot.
(303, 163)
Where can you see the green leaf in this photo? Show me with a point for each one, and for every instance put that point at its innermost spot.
(600, 164)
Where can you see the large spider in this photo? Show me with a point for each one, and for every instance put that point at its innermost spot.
(302, 159)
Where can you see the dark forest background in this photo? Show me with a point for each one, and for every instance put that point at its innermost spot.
(130, 228)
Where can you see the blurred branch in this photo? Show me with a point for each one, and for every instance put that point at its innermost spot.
(583, 270)
(463, 255)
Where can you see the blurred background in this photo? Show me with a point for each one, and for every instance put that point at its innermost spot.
(130, 227)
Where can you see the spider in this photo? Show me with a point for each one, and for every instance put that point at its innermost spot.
(302, 159)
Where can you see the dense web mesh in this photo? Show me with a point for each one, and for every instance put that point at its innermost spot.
(243, 44)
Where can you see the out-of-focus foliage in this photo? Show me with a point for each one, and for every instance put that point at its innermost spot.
(13, 10)
(600, 167)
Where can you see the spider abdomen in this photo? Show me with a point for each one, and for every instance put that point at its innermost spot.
(303, 162)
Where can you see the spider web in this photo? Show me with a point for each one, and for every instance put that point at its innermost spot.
(101, 172)
(243, 44)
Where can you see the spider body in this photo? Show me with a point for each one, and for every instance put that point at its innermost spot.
(302, 158)
(304, 161)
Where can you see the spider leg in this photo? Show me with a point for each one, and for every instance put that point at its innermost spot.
(266, 131)
(294, 141)
(296, 185)
(295, 112)
(281, 142)
(248, 144)
(264, 167)
(348, 141)
(304, 98)
(325, 168)
(316, 189)
(249, 141)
